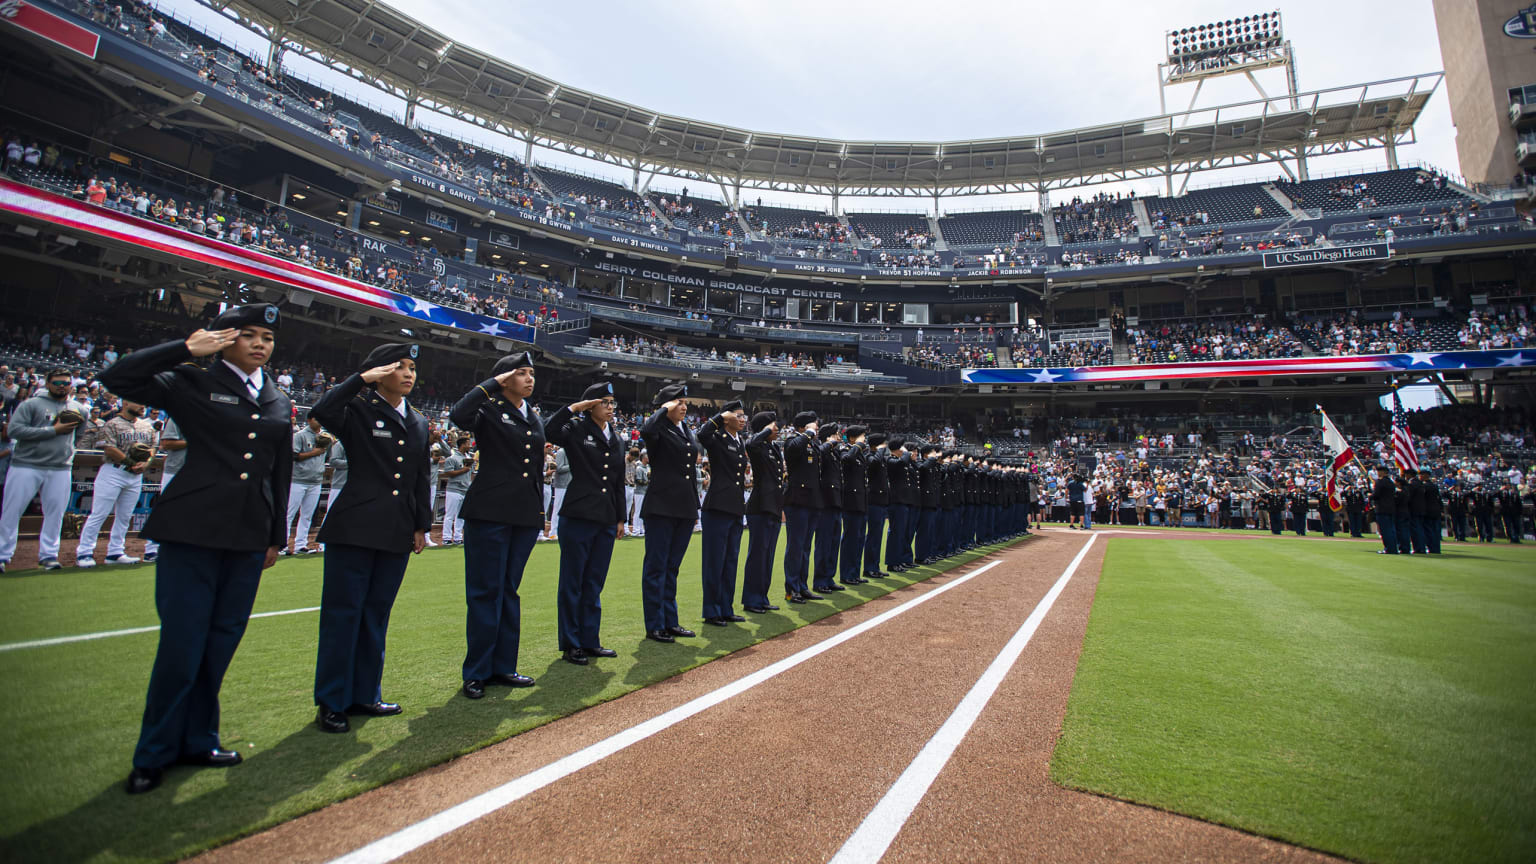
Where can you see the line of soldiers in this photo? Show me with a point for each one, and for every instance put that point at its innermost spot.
(222, 520)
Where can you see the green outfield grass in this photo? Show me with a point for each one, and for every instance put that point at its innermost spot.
(1383, 709)
(71, 713)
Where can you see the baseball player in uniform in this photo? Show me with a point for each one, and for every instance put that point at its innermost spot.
(304, 493)
(127, 443)
(459, 469)
(44, 443)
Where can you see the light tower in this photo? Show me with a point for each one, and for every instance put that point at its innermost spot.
(1236, 46)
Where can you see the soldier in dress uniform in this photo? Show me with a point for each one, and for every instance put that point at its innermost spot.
(503, 514)
(1297, 501)
(802, 505)
(949, 505)
(765, 512)
(878, 480)
(1457, 503)
(929, 495)
(1354, 507)
(1418, 509)
(380, 519)
(1511, 512)
(591, 515)
(829, 520)
(899, 475)
(218, 527)
(1384, 503)
(855, 464)
(1433, 512)
(1274, 504)
(723, 508)
(1483, 501)
(1404, 517)
(670, 508)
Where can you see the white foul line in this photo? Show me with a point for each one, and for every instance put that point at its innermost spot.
(879, 829)
(415, 836)
(107, 634)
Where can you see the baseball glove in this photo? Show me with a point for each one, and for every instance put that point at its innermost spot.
(140, 453)
(325, 440)
(69, 415)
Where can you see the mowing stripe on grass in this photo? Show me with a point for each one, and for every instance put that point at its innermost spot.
(879, 829)
(107, 634)
(445, 822)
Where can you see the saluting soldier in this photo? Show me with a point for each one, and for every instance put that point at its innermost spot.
(1457, 504)
(913, 499)
(1483, 501)
(1404, 515)
(723, 508)
(1384, 503)
(878, 480)
(949, 505)
(670, 508)
(1274, 504)
(503, 514)
(929, 495)
(899, 476)
(590, 516)
(765, 512)
(1354, 507)
(218, 527)
(1433, 512)
(1511, 512)
(829, 520)
(1418, 509)
(380, 519)
(802, 505)
(855, 505)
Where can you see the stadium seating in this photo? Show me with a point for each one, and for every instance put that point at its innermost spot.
(893, 230)
(1228, 205)
(1408, 188)
(1099, 219)
(989, 229)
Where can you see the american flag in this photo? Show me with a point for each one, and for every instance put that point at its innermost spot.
(1403, 454)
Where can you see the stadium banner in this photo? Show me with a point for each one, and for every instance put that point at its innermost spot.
(705, 281)
(443, 221)
(255, 264)
(1353, 253)
(46, 25)
(1413, 363)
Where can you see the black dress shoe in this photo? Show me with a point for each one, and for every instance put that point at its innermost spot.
(513, 680)
(660, 636)
(718, 622)
(771, 608)
(733, 617)
(681, 632)
(141, 780)
(375, 709)
(218, 757)
(474, 688)
(600, 651)
(798, 599)
(811, 595)
(574, 655)
(756, 610)
(830, 587)
(880, 574)
(332, 721)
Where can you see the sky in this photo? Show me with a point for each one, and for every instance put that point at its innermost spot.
(912, 71)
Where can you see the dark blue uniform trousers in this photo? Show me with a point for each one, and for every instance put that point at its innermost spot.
(204, 599)
(586, 547)
(853, 546)
(722, 550)
(829, 524)
(355, 601)
(1404, 533)
(494, 557)
(1416, 534)
(666, 542)
(762, 543)
(926, 519)
(1429, 527)
(1387, 525)
(874, 528)
(894, 554)
(800, 523)
(914, 527)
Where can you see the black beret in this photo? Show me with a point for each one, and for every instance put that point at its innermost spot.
(929, 449)
(855, 431)
(600, 390)
(255, 314)
(669, 393)
(896, 442)
(876, 439)
(804, 418)
(826, 432)
(511, 362)
(391, 352)
(761, 420)
(733, 405)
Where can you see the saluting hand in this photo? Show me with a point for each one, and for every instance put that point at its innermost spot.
(588, 405)
(377, 372)
(505, 377)
(203, 343)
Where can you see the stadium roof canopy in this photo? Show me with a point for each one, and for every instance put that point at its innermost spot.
(386, 48)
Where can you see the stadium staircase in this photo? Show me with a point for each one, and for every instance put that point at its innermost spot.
(549, 194)
(858, 242)
(656, 209)
(746, 228)
(939, 243)
(1143, 219)
(1284, 200)
(1120, 348)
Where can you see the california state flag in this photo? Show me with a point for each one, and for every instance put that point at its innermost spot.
(1342, 455)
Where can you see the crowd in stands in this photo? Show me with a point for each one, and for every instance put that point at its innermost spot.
(1102, 218)
(912, 238)
(1490, 330)
(1013, 256)
(825, 232)
(1345, 334)
(1217, 242)
(909, 259)
(1095, 257)
(1190, 341)
(936, 355)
